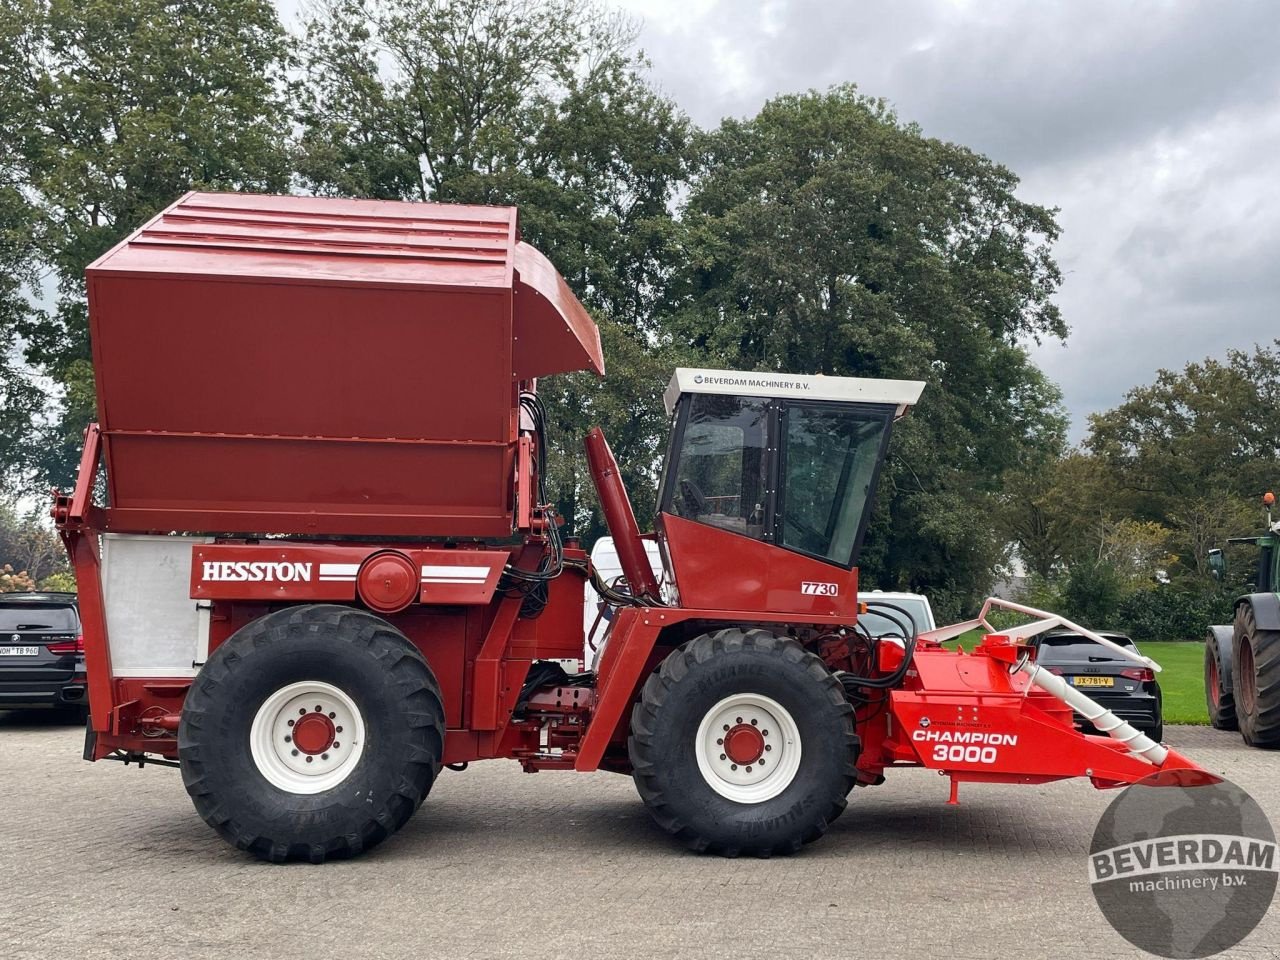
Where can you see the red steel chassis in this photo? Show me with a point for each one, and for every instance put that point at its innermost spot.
(966, 715)
(362, 369)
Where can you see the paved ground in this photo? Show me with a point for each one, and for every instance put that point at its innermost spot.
(97, 860)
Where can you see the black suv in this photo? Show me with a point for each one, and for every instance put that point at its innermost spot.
(41, 652)
(1126, 689)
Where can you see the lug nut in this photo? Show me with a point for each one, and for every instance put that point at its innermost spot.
(288, 739)
(723, 757)
(291, 723)
(762, 761)
(324, 756)
(719, 743)
(309, 759)
(764, 733)
(768, 747)
(294, 752)
(748, 768)
(739, 720)
(336, 744)
(726, 728)
(755, 722)
(733, 766)
(302, 711)
(319, 709)
(332, 714)
(337, 729)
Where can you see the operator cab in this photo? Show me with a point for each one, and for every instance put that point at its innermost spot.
(784, 459)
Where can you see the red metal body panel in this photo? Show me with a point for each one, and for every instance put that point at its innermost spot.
(307, 365)
(967, 716)
(718, 569)
(284, 571)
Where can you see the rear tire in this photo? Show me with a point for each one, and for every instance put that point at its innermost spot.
(1255, 673)
(758, 699)
(364, 762)
(1218, 693)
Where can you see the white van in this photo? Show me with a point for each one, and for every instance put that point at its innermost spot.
(604, 557)
(916, 604)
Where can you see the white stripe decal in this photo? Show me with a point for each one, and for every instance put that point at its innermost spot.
(339, 569)
(470, 583)
(463, 573)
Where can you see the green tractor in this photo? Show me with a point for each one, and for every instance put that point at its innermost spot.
(1242, 661)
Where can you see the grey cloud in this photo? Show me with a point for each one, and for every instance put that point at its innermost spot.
(1154, 126)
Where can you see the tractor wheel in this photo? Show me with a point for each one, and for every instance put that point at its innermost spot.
(743, 743)
(1255, 672)
(313, 733)
(1218, 693)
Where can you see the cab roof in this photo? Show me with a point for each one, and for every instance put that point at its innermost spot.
(901, 394)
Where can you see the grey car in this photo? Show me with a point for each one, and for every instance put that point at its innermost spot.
(41, 652)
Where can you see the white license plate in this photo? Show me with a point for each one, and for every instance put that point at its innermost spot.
(19, 651)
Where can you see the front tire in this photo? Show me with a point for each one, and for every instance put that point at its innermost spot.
(1255, 674)
(312, 733)
(743, 743)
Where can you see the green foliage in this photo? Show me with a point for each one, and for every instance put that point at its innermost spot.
(1091, 594)
(1170, 614)
(1120, 533)
(109, 112)
(824, 236)
(1195, 438)
(29, 545)
(64, 581)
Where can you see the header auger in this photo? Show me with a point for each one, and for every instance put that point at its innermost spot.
(326, 565)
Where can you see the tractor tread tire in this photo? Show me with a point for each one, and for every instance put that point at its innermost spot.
(371, 661)
(1223, 715)
(652, 744)
(1259, 717)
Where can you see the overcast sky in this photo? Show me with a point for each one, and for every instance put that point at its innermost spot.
(1154, 126)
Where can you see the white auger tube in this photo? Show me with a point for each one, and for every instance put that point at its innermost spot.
(1134, 740)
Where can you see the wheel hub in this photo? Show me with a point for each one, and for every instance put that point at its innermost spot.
(748, 748)
(313, 733)
(307, 737)
(744, 744)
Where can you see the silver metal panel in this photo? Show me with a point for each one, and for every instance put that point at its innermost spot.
(153, 625)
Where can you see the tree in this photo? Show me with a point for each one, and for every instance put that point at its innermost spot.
(1053, 512)
(29, 545)
(1213, 426)
(538, 103)
(111, 111)
(1195, 450)
(825, 236)
(21, 399)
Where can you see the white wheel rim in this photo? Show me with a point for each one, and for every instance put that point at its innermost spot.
(773, 752)
(329, 743)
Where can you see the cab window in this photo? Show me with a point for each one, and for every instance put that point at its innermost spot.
(830, 457)
(722, 472)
